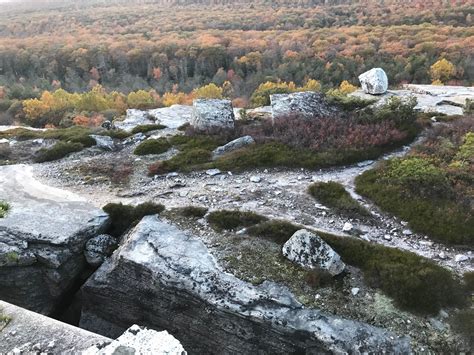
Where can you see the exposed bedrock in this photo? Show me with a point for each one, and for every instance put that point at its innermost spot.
(42, 240)
(166, 279)
(306, 104)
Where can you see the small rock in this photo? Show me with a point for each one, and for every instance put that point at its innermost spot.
(426, 243)
(443, 314)
(407, 232)
(255, 179)
(355, 291)
(347, 227)
(232, 146)
(171, 175)
(461, 258)
(387, 237)
(99, 248)
(51, 344)
(213, 172)
(104, 142)
(442, 255)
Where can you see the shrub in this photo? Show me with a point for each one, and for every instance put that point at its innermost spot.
(124, 217)
(229, 220)
(463, 323)
(4, 207)
(334, 195)
(397, 110)
(147, 128)
(152, 146)
(277, 230)
(58, 151)
(193, 211)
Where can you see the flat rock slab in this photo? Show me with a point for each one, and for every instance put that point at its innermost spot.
(164, 278)
(448, 100)
(31, 332)
(42, 239)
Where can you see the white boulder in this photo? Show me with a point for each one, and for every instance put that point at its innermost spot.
(374, 81)
(311, 252)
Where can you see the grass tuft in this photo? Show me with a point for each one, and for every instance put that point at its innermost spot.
(4, 207)
(229, 220)
(277, 230)
(147, 128)
(192, 211)
(335, 196)
(152, 146)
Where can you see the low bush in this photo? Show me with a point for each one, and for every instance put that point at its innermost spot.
(335, 196)
(229, 220)
(147, 128)
(277, 230)
(463, 323)
(4, 207)
(152, 146)
(57, 151)
(124, 217)
(192, 211)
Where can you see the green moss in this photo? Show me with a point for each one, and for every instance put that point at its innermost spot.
(116, 133)
(4, 207)
(152, 146)
(277, 230)
(124, 217)
(147, 128)
(12, 257)
(335, 196)
(58, 151)
(348, 103)
(192, 211)
(229, 220)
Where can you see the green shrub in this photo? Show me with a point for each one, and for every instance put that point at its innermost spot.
(427, 209)
(124, 217)
(398, 110)
(57, 151)
(277, 230)
(229, 220)
(192, 211)
(414, 282)
(463, 323)
(147, 128)
(347, 103)
(4, 207)
(116, 133)
(334, 195)
(152, 146)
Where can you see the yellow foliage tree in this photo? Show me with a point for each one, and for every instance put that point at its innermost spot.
(442, 71)
(312, 85)
(140, 99)
(35, 108)
(346, 87)
(171, 98)
(211, 91)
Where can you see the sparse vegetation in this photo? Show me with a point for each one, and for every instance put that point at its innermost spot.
(117, 172)
(4, 320)
(4, 207)
(229, 220)
(147, 128)
(335, 196)
(124, 217)
(277, 230)
(192, 211)
(152, 146)
(431, 188)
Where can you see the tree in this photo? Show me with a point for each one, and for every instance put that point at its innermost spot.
(140, 99)
(442, 70)
(211, 91)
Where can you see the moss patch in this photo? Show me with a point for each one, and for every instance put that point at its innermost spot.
(335, 196)
(4, 207)
(152, 146)
(124, 217)
(228, 220)
(58, 151)
(277, 230)
(192, 211)
(147, 128)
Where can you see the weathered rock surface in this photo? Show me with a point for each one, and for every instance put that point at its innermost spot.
(134, 118)
(448, 100)
(104, 142)
(163, 278)
(311, 252)
(172, 117)
(98, 248)
(374, 81)
(27, 332)
(139, 340)
(212, 113)
(232, 146)
(42, 239)
(307, 104)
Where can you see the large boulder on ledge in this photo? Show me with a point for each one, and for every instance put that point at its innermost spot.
(212, 113)
(374, 81)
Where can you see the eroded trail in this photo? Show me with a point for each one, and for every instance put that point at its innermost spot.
(275, 193)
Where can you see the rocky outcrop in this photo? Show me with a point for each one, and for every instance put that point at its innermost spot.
(212, 113)
(42, 240)
(164, 278)
(99, 248)
(448, 100)
(140, 340)
(172, 117)
(104, 142)
(232, 146)
(306, 104)
(374, 81)
(311, 252)
(134, 118)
